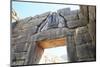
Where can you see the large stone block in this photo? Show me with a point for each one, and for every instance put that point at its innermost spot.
(21, 22)
(30, 30)
(37, 20)
(21, 47)
(20, 62)
(25, 20)
(84, 11)
(83, 29)
(71, 47)
(92, 12)
(85, 51)
(77, 23)
(64, 12)
(82, 36)
(51, 34)
(19, 56)
(74, 12)
(92, 22)
(34, 54)
(71, 17)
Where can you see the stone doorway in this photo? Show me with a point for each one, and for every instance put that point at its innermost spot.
(65, 38)
(77, 31)
(54, 55)
(54, 51)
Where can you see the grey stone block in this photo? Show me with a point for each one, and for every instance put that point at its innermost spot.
(21, 47)
(51, 34)
(77, 23)
(92, 12)
(81, 30)
(82, 36)
(38, 20)
(74, 12)
(64, 12)
(71, 17)
(83, 12)
(71, 48)
(19, 56)
(25, 20)
(85, 51)
(20, 62)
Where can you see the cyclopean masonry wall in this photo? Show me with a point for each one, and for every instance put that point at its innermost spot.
(77, 27)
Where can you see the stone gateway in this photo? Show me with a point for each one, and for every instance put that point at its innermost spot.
(75, 29)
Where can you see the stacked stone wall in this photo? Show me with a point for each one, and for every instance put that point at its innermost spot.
(78, 26)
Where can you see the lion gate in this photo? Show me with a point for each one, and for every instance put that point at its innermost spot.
(75, 29)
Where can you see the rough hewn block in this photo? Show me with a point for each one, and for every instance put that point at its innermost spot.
(51, 34)
(71, 47)
(92, 12)
(85, 51)
(21, 55)
(20, 62)
(82, 36)
(21, 47)
(77, 23)
(74, 12)
(64, 12)
(23, 21)
(83, 11)
(71, 17)
(38, 20)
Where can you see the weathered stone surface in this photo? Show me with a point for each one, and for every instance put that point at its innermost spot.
(30, 53)
(21, 47)
(35, 53)
(71, 17)
(83, 36)
(74, 12)
(51, 33)
(20, 62)
(38, 19)
(71, 47)
(77, 23)
(13, 25)
(54, 20)
(92, 30)
(92, 22)
(81, 46)
(30, 30)
(23, 21)
(85, 51)
(19, 56)
(83, 29)
(92, 12)
(64, 12)
(83, 12)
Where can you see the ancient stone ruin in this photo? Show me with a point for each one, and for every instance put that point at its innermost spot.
(75, 29)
